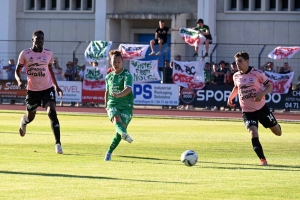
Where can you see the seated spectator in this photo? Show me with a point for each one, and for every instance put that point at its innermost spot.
(214, 74)
(229, 74)
(268, 66)
(221, 72)
(161, 37)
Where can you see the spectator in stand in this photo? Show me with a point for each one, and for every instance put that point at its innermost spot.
(161, 37)
(79, 77)
(284, 70)
(214, 74)
(229, 74)
(57, 70)
(268, 66)
(295, 87)
(204, 30)
(70, 75)
(77, 67)
(219, 75)
(10, 70)
(167, 73)
(207, 76)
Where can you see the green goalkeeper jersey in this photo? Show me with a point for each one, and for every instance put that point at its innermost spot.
(115, 83)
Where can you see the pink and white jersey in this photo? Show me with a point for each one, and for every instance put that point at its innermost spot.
(36, 68)
(249, 84)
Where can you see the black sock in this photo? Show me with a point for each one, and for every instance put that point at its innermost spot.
(54, 125)
(258, 148)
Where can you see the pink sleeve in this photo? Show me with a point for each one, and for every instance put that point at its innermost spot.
(262, 78)
(21, 59)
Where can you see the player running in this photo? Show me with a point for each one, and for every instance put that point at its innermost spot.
(248, 85)
(41, 85)
(118, 100)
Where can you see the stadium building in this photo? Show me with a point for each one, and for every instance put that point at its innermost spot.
(255, 26)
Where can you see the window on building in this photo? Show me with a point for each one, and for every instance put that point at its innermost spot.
(257, 5)
(31, 6)
(232, 4)
(43, 4)
(285, 5)
(297, 5)
(272, 4)
(245, 4)
(53, 5)
(89, 4)
(67, 4)
(78, 4)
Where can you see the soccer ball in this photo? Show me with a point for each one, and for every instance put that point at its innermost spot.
(189, 158)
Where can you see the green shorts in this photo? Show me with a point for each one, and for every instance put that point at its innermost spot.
(126, 114)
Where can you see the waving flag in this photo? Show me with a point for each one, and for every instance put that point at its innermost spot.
(283, 52)
(97, 50)
(189, 74)
(192, 37)
(144, 71)
(133, 51)
(281, 82)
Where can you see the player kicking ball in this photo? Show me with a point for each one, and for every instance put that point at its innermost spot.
(41, 85)
(248, 83)
(118, 100)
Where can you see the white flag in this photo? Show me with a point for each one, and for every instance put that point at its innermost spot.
(192, 37)
(281, 82)
(133, 51)
(144, 71)
(97, 50)
(189, 74)
(283, 52)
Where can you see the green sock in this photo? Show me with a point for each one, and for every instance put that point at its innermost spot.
(120, 128)
(114, 143)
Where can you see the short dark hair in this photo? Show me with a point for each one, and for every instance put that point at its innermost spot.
(242, 54)
(115, 53)
(161, 21)
(199, 21)
(37, 32)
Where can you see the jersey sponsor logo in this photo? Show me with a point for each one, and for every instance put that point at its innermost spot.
(245, 86)
(35, 71)
(30, 59)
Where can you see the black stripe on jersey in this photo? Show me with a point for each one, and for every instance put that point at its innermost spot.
(266, 82)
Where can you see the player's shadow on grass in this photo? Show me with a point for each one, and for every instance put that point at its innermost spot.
(86, 177)
(268, 167)
(147, 158)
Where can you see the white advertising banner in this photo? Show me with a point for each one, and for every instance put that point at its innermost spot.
(72, 91)
(156, 94)
(144, 71)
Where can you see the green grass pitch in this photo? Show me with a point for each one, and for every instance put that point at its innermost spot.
(150, 167)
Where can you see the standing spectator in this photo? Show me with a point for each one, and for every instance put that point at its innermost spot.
(77, 67)
(80, 76)
(204, 30)
(221, 72)
(57, 70)
(284, 70)
(10, 71)
(268, 66)
(229, 74)
(41, 87)
(70, 75)
(252, 99)
(167, 73)
(161, 37)
(214, 74)
(118, 101)
(207, 76)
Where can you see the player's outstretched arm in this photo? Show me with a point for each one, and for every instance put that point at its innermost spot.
(124, 93)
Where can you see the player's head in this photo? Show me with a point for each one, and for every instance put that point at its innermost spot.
(242, 60)
(199, 21)
(116, 60)
(161, 23)
(38, 39)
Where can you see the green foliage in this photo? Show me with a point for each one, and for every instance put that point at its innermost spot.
(150, 167)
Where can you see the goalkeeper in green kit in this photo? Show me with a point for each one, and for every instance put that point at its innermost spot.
(118, 100)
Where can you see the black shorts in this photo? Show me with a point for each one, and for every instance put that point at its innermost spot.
(156, 41)
(210, 41)
(264, 116)
(34, 99)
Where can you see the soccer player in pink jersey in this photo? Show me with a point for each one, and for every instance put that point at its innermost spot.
(41, 85)
(248, 84)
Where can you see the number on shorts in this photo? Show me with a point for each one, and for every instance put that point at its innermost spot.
(270, 116)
